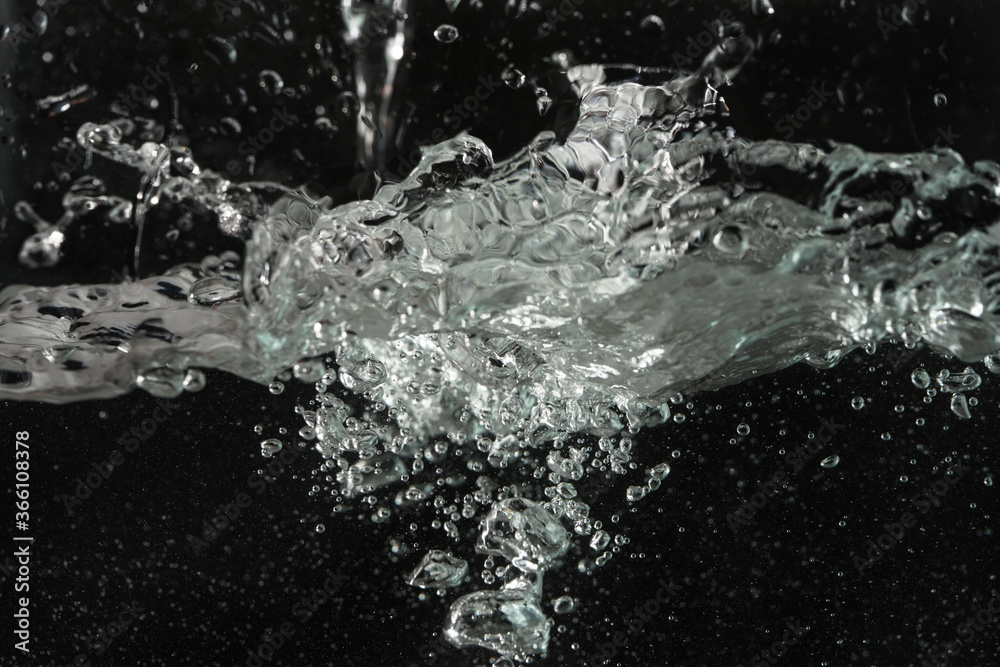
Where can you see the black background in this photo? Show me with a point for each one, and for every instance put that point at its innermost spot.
(128, 542)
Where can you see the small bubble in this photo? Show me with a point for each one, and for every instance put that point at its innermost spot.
(320, 528)
(276, 388)
(635, 493)
(652, 23)
(270, 447)
(940, 100)
(857, 403)
(194, 380)
(270, 82)
(887, 436)
(992, 362)
(446, 33)
(830, 461)
(513, 77)
(563, 605)
(743, 429)
(543, 102)
(900, 408)
(679, 418)
(921, 379)
(989, 480)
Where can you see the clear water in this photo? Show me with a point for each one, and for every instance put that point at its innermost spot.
(577, 286)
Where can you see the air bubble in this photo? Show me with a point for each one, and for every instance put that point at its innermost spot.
(921, 379)
(270, 82)
(513, 77)
(270, 447)
(446, 33)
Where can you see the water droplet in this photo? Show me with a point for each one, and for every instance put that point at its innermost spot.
(513, 77)
(446, 33)
(270, 447)
(271, 82)
(194, 380)
(563, 605)
(857, 402)
(921, 379)
(743, 429)
(635, 493)
(992, 362)
(830, 461)
(960, 406)
(652, 23)
(544, 103)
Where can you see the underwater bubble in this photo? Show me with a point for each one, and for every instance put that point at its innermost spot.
(270, 447)
(513, 77)
(992, 362)
(194, 380)
(921, 378)
(438, 569)
(446, 33)
(563, 605)
(960, 406)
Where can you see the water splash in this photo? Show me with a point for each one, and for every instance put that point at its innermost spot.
(576, 286)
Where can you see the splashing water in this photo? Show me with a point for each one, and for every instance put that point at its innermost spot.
(574, 287)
